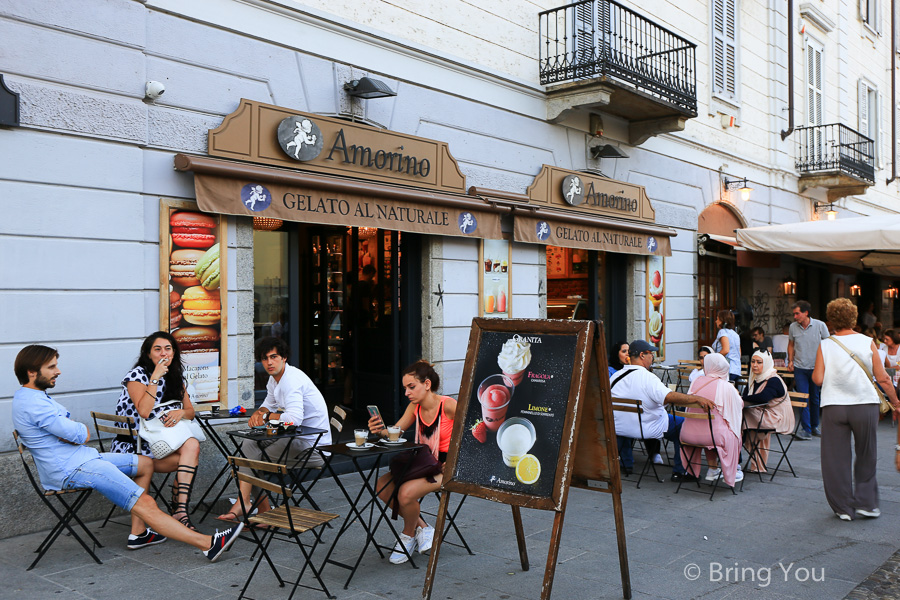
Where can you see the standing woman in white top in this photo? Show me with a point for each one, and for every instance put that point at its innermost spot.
(728, 343)
(892, 348)
(849, 404)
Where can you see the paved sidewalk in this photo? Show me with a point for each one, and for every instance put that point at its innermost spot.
(773, 540)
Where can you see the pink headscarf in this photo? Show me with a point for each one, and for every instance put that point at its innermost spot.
(714, 385)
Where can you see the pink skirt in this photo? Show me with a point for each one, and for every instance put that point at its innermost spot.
(696, 432)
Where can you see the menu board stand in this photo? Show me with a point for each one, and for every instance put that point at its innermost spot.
(534, 416)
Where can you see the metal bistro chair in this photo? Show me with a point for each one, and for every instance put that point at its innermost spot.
(101, 425)
(626, 405)
(64, 517)
(798, 400)
(286, 522)
(697, 449)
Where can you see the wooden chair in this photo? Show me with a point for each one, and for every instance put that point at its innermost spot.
(71, 500)
(627, 405)
(798, 400)
(286, 523)
(695, 411)
(105, 423)
(684, 374)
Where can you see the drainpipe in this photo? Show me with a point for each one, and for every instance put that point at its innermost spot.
(790, 34)
(893, 91)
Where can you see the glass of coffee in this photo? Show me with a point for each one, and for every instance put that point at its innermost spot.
(361, 435)
(393, 434)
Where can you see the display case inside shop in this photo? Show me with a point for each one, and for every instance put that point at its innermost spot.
(328, 294)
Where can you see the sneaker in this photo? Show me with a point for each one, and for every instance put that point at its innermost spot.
(739, 476)
(713, 474)
(398, 557)
(424, 537)
(222, 542)
(803, 435)
(149, 538)
(685, 477)
(843, 517)
(817, 432)
(657, 459)
(872, 514)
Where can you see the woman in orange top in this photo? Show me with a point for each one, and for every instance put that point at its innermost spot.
(433, 417)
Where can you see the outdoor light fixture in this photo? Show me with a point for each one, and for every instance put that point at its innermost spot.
(607, 151)
(368, 88)
(739, 184)
(856, 290)
(827, 208)
(266, 223)
(892, 292)
(788, 287)
(9, 106)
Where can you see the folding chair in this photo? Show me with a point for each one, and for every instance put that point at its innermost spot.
(451, 522)
(286, 522)
(798, 400)
(64, 517)
(626, 405)
(695, 449)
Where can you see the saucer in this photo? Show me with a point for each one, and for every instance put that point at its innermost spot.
(390, 443)
(353, 446)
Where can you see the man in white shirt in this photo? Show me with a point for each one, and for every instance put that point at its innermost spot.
(636, 382)
(291, 393)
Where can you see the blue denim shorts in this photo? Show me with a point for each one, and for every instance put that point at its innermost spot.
(111, 476)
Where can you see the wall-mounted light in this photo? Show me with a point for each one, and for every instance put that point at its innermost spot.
(856, 290)
(266, 223)
(892, 293)
(9, 106)
(606, 151)
(827, 208)
(739, 184)
(788, 287)
(368, 88)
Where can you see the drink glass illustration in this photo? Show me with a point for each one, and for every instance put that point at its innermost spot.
(515, 437)
(494, 394)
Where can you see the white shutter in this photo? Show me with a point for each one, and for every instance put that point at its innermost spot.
(585, 40)
(879, 130)
(863, 103)
(724, 49)
(815, 98)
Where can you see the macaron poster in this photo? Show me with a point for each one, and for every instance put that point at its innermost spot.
(191, 269)
(656, 303)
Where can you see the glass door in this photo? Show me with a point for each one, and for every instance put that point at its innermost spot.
(327, 308)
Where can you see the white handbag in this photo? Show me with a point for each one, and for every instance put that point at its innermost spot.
(163, 440)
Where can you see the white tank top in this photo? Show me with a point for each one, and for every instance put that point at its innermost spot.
(845, 382)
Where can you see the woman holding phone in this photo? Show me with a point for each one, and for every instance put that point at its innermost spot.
(158, 377)
(432, 415)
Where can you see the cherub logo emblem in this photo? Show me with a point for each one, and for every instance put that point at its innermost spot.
(651, 244)
(467, 223)
(256, 197)
(300, 138)
(573, 190)
(543, 230)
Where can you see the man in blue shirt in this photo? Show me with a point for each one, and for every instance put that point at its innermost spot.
(57, 444)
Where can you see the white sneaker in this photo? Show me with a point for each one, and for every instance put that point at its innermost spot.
(739, 476)
(843, 516)
(713, 474)
(657, 459)
(397, 556)
(872, 514)
(424, 537)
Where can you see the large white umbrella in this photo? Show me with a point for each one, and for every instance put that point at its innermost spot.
(859, 242)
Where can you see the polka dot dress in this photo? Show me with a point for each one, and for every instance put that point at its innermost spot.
(125, 408)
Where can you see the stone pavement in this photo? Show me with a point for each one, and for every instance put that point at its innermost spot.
(773, 540)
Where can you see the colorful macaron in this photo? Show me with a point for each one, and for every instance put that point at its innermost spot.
(192, 229)
(174, 310)
(207, 269)
(181, 267)
(201, 306)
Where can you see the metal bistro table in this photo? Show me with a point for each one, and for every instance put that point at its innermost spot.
(368, 495)
(667, 372)
(207, 420)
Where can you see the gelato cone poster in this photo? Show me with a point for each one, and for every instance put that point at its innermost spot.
(656, 304)
(515, 416)
(494, 281)
(192, 290)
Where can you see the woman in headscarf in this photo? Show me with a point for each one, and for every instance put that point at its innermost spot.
(767, 406)
(726, 426)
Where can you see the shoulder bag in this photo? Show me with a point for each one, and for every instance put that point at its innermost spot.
(163, 440)
(884, 406)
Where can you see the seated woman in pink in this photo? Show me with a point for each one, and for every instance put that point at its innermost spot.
(726, 427)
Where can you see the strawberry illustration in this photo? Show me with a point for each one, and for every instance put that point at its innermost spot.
(479, 431)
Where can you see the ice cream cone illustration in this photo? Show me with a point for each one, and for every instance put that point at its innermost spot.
(514, 358)
(655, 293)
(655, 326)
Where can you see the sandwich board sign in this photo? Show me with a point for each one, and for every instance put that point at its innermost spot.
(542, 419)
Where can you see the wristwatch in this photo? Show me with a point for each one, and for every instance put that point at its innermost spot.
(897, 447)
(155, 381)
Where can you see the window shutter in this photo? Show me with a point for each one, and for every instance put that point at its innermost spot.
(724, 48)
(585, 32)
(863, 98)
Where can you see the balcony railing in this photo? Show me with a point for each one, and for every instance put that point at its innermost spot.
(597, 38)
(835, 147)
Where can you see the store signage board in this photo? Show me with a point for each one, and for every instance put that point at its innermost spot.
(606, 238)
(520, 437)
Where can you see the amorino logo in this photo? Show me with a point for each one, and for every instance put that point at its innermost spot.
(300, 138)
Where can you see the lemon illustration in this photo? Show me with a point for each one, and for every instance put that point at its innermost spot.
(529, 469)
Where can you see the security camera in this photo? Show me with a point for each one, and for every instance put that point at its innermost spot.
(154, 90)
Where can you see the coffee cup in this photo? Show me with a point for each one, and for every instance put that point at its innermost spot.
(215, 409)
(361, 435)
(393, 434)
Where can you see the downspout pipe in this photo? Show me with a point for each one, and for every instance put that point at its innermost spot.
(790, 62)
(893, 91)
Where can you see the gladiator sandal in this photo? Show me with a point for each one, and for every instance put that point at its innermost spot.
(178, 489)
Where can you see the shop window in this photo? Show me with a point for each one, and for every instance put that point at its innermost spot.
(568, 283)
(270, 293)
(717, 290)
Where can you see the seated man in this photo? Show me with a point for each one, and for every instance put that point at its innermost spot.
(293, 394)
(760, 340)
(637, 382)
(63, 461)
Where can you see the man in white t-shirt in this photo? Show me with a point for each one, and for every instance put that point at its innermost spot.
(637, 382)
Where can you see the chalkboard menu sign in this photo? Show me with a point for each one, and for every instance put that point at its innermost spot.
(514, 418)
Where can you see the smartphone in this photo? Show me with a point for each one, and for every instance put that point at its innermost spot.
(374, 412)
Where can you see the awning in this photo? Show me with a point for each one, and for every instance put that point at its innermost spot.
(557, 228)
(242, 189)
(860, 242)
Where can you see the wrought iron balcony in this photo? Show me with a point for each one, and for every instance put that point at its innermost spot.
(603, 39)
(835, 157)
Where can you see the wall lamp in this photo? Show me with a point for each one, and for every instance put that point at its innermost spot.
(607, 151)
(892, 292)
(739, 184)
(368, 88)
(827, 208)
(9, 106)
(788, 287)
(856, 290)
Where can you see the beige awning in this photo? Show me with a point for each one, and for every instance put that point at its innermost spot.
(571, 230)
(860, 242)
